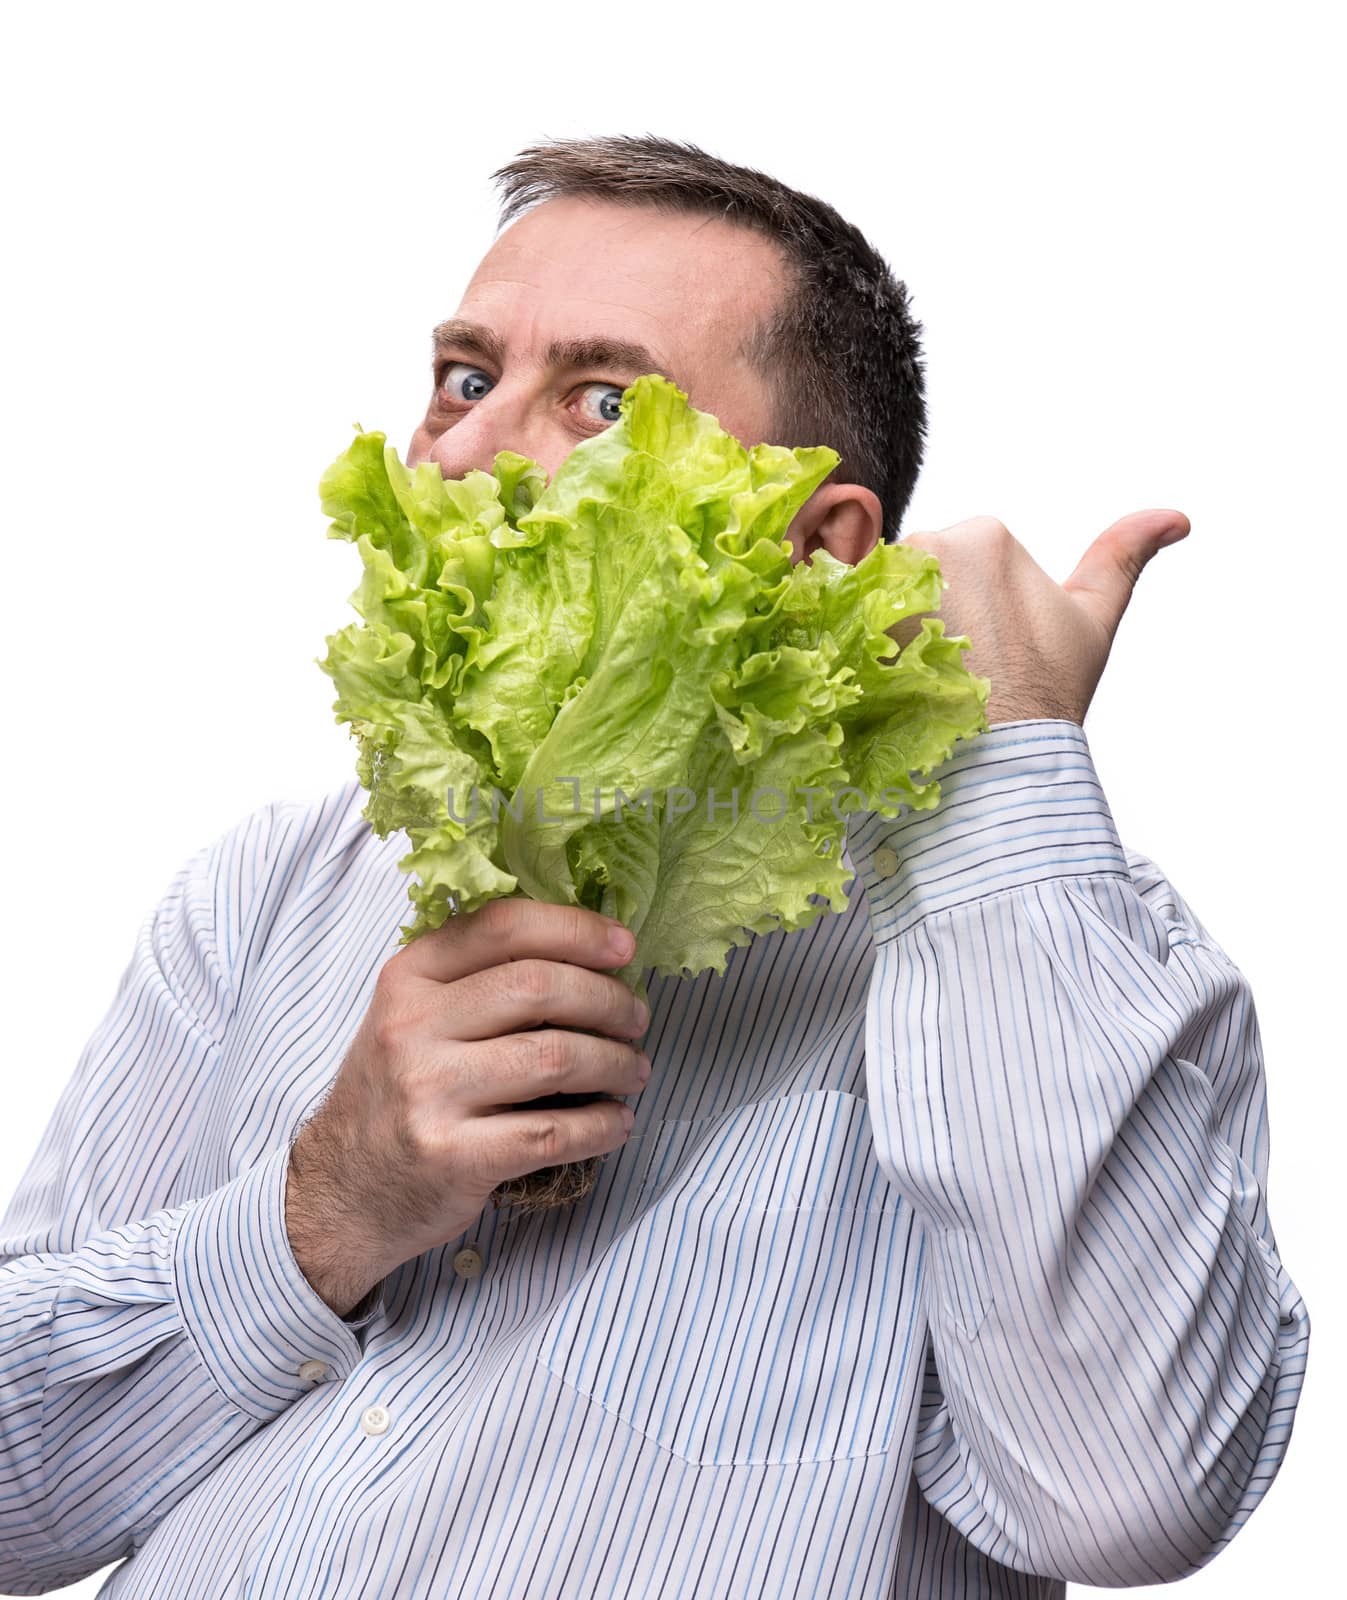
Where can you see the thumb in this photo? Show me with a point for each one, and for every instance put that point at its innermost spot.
(1108, 571)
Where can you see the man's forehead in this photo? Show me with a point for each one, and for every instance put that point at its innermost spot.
(634, 238)
(630, 274)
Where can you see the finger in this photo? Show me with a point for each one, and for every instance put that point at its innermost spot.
(523, 1141)
(1147, 527)
(1107, 573)
(532, 993)
(514, 930)
(500, 1074)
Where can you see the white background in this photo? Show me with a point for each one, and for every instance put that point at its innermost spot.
(230, 231)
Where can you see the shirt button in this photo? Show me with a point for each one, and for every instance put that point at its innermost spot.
(884, 862)
(468, 1262)
(313, 1371)
(374, 1419)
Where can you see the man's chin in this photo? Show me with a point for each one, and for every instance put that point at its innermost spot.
(549, 1187)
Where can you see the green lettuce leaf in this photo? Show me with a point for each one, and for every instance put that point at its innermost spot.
(616, 690)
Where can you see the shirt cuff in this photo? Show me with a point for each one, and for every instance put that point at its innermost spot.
(1020, 803)
(253, 1316)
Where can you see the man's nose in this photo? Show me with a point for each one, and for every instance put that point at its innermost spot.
(480, 433)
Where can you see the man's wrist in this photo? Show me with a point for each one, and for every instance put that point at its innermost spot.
(331, 1267)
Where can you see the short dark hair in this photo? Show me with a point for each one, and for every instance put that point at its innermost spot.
(842, 354)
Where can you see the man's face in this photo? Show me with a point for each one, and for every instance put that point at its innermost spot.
(576, 300)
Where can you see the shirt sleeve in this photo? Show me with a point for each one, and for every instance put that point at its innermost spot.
(145, 1332)
(1066, 1081)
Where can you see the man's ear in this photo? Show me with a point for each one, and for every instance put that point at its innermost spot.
(845, 519)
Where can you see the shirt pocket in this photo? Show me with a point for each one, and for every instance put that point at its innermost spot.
(761, 1308)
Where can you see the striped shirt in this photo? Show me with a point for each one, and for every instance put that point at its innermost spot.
(938, 1262)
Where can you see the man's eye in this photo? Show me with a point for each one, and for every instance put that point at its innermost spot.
(462, 382)
(601, 403)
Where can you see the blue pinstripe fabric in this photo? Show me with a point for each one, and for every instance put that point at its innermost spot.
(938, 1263)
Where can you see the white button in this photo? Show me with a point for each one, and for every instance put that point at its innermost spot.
(468, 1262)
(884, 862)
(313, 1371)
(374, 1419)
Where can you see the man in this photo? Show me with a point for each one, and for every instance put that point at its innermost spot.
(938, 1261)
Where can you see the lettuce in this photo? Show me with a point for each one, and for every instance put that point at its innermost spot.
(617, 690)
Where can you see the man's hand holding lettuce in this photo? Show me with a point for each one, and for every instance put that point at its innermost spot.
(617, 653)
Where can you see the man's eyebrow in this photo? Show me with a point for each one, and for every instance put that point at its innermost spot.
(617, 355)
(593, 351)
(457, 334)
